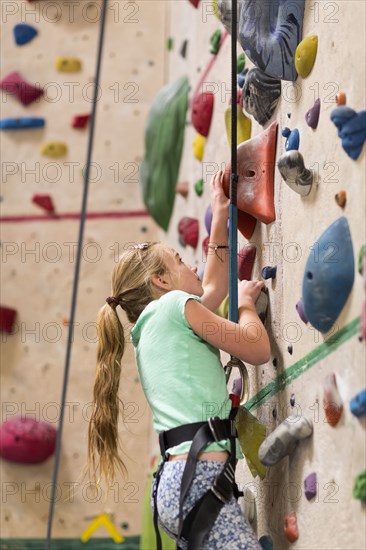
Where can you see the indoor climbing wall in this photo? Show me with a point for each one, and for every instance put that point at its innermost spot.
(47, 71)
(301, 200)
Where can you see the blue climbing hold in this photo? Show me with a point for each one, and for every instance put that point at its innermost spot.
(351, 129)
(269, 272)
(358, 404)
(24, 33)
(293, 139)
(329, 276)
(270, 32)
(23, 123)
(266, 542)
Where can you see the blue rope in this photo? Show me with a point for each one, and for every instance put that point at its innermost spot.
(76, 276)
(233, 210)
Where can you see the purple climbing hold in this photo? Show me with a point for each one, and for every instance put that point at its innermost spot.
(208, 219)
(237, 386)
(269, 272)
(312, 116)
(300, 310)
(310, 486)
(358, 404)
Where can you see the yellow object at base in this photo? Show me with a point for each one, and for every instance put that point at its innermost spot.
(251, 434)
(68, 64)
(102, 519)
(243, 126)
(223, 309)
(199, 146)
(54, 149)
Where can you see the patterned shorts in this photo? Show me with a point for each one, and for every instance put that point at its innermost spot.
(231, 531)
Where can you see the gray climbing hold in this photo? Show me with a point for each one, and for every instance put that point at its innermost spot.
(292, 168)
(269, 272)
(283, 440)
(261, 94)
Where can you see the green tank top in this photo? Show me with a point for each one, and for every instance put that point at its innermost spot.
(181, 374)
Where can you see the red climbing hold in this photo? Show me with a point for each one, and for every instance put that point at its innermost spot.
(45, 202)
(194, 3)
(256, 163)
(7, 319)
(80, 121)
(290, 527)
(188, 231)
(27, 440)
(16, 85)
(246, 262)
(202, 108)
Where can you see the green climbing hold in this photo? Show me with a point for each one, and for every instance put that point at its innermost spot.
(359, 487)
(305, 55)
(164, 137)
(215, 42)
(361, 258)
(198, 187)
(170, 43)
(240, 63)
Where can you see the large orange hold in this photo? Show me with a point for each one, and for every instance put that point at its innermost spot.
(255, 168)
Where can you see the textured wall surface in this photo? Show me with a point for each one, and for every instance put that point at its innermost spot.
(38, 259)
(39, 256)
(334, 519)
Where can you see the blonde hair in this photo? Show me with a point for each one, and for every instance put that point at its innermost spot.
(133, 290)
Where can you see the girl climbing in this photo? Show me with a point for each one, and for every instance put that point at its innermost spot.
(177, 338)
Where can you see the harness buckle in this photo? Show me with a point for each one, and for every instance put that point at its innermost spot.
(211, 423)
(223, 492)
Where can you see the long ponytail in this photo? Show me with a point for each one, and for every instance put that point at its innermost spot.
(132, 290)
(103, 446)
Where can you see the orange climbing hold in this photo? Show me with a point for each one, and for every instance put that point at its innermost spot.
(341, 98)
(290, 527)
(332, 402)
(255, 168)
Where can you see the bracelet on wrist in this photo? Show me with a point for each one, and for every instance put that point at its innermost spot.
(216, 247)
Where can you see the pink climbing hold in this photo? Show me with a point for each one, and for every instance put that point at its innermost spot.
(290, 527)
(26, 440)
(7, 319)
(80, 121)
(246, 262)
(205, 242)
(202, 109)
(332, 402)
(16, 85)
(188, 231)
(45, 202)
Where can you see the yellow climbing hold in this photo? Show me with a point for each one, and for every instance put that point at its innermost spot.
(68, 64)
(54, 149)
(305, 55)
(251, 434)
(215, 9)
(102, 519)
(243, 126)
(199, 146)
(223, 309)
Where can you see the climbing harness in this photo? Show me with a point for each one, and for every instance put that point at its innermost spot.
(76, 276)
(200, 519)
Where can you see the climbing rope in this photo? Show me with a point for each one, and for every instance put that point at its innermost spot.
(233, 212)
(77, 271)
